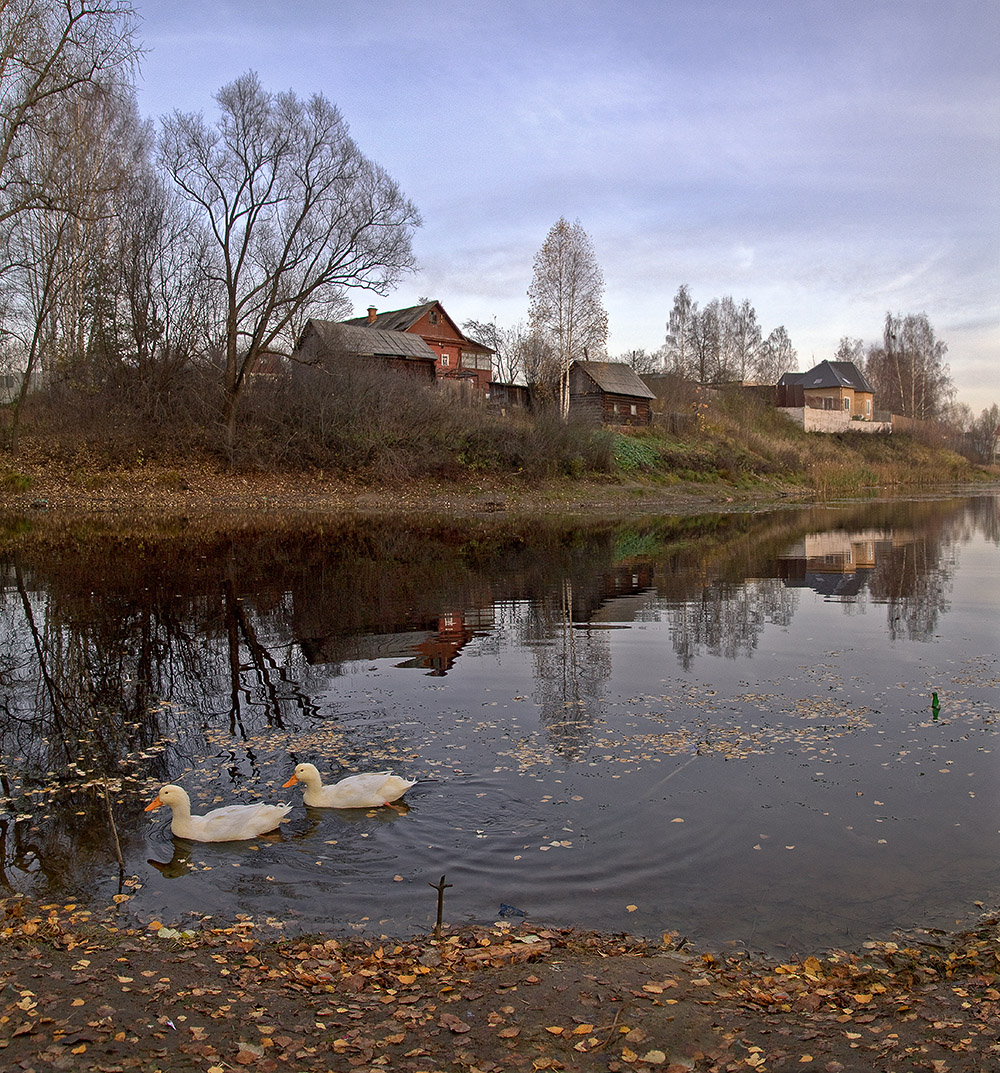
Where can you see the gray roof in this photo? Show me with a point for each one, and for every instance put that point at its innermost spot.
(395, 320)
(369, 342)
(615, 378)
(830, 374)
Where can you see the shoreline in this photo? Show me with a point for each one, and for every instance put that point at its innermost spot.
(160, 494)
(490, 999)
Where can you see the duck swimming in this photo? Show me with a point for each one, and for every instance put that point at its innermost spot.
(229, 824)
(356, 791)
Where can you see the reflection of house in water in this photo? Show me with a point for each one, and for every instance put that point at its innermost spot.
(834, 563)
(619, 596)
(431, 644)
(437, 652)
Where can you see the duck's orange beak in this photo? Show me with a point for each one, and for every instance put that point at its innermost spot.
(291, 782)
(155, 803)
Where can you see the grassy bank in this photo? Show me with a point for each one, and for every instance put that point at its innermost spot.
(736, 447)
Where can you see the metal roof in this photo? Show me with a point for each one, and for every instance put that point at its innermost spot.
(830, 374)
(395, 320)
(371, 342)
(615, 378)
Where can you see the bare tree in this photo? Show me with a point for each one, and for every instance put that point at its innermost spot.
(567, 300)
(679, 326)
(908, 371)
(643, 361)
(704, 342)
(297, 215)
(60, 269)
(51, 51)
(849, 349)
(742, 338)
(774, 357)
(508, 346)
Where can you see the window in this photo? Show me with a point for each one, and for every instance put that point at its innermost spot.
(433, 317)
(635, 409)
(847, 403)
(445, 360)
(868, 406)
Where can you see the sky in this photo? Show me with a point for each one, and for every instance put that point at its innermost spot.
(830, 161)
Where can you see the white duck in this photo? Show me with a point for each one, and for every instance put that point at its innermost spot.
(356, 791)
(229, 824)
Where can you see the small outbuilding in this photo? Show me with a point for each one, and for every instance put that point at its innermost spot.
(608, 393)
(395, 351)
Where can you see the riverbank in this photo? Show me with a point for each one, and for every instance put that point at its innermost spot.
(78, 994)
(199, 490)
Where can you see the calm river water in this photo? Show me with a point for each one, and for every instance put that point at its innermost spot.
(723, 726)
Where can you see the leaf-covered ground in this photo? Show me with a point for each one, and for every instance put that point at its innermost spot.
(78, 994)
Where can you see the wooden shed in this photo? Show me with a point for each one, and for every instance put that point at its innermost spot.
(608, 393)
(393, 351)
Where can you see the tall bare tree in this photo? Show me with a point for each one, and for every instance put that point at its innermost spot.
(296, 212)
(567, 300)
(775, 357)
(51, 51)
(60, 267)
(679, 326)
(908, 370)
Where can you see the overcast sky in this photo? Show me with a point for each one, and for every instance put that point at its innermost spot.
(830, 161)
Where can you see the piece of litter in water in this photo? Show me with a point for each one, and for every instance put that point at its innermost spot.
(511, 911)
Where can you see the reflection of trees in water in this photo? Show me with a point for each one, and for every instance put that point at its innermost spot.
(913, 579)
(570, 666)
(726, 619)
(132, 661)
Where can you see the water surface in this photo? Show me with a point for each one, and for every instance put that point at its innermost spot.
(722, 726)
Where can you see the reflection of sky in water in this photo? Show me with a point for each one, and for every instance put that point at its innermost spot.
(753, 763)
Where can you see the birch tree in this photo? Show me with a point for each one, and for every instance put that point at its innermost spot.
(679, 328)
(296, 212)
(567, 300)
(908, 371)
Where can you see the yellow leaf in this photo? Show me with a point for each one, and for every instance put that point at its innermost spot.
(631, 908)
(806, 1058)
(556, 1030)
(582, 1030)
(628, 1055)
(80, 1049)
(78, 1002)
(863, 998)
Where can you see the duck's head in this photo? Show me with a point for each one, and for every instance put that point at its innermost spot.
(307, 773)
(170, 796)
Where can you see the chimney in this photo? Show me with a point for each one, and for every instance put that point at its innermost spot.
(371, 314)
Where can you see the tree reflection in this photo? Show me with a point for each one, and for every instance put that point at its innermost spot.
(127, 661)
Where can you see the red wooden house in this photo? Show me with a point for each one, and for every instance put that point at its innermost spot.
(457, 357)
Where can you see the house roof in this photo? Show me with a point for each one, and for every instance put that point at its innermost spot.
(402, 320)
(615, 378)
(830, 374)
(370, 342)
(395, 320)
